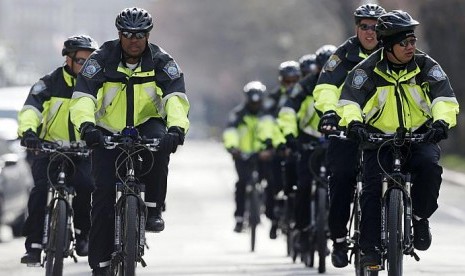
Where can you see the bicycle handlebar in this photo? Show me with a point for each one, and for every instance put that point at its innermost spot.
(377, 138)
(118, 139)
(74, 149)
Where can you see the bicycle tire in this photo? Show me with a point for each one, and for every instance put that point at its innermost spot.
(57, 240)
(395, 232)
(254, 216)
(321, 227)
(130, 236)
(356, 238)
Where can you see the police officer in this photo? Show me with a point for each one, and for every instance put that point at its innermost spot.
(128, 82)
(342, 154)
(298, 121)
(250, 131)
(408, 89)
(308, 65)
(45, 116)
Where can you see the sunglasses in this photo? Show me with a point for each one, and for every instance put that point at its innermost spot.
(79, 61)
(366, 27)
(138, 35)
(406, 42)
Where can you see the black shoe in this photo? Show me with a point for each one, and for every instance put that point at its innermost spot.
(238, 227)
(421, 234)
(82, 245)
(31, 258)
(101, 271)
(273, 230)
(155, 222)
(370, 258)
(339, 255)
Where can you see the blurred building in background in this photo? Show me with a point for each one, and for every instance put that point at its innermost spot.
(32, 33)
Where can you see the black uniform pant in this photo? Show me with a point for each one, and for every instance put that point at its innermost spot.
(422, 162)
(342, 159)
(103, 198)
(83, 185)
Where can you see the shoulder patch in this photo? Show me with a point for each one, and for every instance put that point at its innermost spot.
(38, 87)
(437, 73)
(360, 76)
(91, 67)
(172, 70)
(332, 63)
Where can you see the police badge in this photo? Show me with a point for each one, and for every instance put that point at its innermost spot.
(91, 67)
(360, 76)
(437, 73)
(172, 70)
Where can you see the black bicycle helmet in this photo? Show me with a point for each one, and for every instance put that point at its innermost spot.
(307, 64)
(289, 69)
(323, 53)
(78, 42)
(254, 91)
(134, 20)
(368, 11)
(394, 22)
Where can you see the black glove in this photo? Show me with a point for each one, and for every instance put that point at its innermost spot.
(170, 142)
(30, 139)
(357, 131)
(329, 121)
(292, 142)
(439, 131)
(92, 136)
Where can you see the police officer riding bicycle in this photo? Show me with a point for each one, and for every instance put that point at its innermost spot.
(399, 86)
(45, 116)
(128, 82)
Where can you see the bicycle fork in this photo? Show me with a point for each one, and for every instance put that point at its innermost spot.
(118, 219)
(404, 185)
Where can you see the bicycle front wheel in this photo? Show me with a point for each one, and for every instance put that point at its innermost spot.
(57, 240)
(254, 216)
(130, 236)
(321, 226)
(395, 232)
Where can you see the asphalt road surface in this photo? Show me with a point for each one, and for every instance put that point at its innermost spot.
(198, 238)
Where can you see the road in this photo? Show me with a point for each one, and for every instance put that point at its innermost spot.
(198, 238)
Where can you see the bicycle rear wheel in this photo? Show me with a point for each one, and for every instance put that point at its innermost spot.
(395, 232)
(321, 223)
(57, 240)
(130, 236)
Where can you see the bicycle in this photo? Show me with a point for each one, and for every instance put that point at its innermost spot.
(58, 236)
(396, 205)
(285, 200)
(130, 208)
(253, 198)
(353, 234)
(318, 231)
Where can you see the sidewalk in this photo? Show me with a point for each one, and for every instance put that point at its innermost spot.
(454, 177)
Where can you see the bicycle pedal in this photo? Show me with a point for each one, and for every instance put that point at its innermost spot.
(374, 267)
(34, 265)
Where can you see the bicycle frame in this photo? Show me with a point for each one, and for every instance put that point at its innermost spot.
(59, 204)
(396, 204)
(130, 208)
